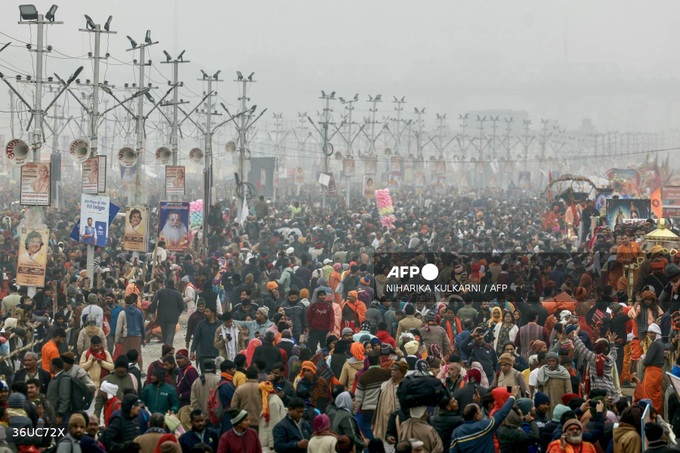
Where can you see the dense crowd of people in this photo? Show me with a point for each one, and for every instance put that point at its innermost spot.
(288, 333)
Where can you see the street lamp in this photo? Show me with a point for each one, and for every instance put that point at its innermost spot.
(50, 13)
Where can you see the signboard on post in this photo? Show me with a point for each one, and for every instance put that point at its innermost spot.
(36, 184)
(94, 220)
(136, 236)
(627, 211)
(369, 186)
(32, 259)
(94, 175)
(670, 196)
(172, 225)
(174, 180)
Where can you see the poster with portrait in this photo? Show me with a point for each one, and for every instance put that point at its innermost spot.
(369, 186)
(524, 180)
(136, 236)
(94, 219)
(371, 165)
(628, 211)
(299, 175)
(419, 181)
(35, 184)
(173, 225)
(395, 163)
(174, 180)
(348, 168)
(94, 175)
(440, 184)
(32, 259)
(394, 180)
(409, 170)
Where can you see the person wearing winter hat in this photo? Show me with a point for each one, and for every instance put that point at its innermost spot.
(508, 376)
(124, 427)
(120, 377)
(353, 365)
(241, 437)
(159, 396)
(323, 440)
(571, 440)
(19, 420)
(651, 385)
(542, 405)
(553, 379)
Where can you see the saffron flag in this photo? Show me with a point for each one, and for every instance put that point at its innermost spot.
(657, 205)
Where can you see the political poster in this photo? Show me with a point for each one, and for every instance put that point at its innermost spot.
(371, 165)
(94, 219)
(173, 225)
(32, 259)
(94, 175)
(369, 186)
(35, 184)
(419, 181)
(348, 168)
(440, 184)
(394, 180)
(299, 175)
(174, 180)
(136, 236)
(524, 180)
(627, 212)
(395, 163)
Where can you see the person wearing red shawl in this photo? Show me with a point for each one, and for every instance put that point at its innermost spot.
(452, 326)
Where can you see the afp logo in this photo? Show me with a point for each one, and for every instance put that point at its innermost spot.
(429, 272)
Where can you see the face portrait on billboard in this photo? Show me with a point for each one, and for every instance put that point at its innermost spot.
(174, 231)
(42, 184)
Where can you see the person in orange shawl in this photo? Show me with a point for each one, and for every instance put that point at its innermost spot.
(651, 385)
(273, 411)
(353, 312)
(452, 326)
(319, 394)
(627, 253)
(553, 220)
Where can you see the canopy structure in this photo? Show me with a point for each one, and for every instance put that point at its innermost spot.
(570, 192)
(662, 236)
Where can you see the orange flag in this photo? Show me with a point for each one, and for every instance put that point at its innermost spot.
(657, 206)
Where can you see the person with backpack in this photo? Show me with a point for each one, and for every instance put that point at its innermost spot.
(76, 430)
(59, 392)
(78, 373)
(201, 388)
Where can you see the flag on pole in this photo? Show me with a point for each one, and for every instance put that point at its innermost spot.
(657, 205)
(243, 215)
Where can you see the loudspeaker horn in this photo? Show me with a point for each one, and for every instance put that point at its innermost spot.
(17, 152)
(230, 146)
(164, 155)
(127, 157)
(196, 155)
(79, 150)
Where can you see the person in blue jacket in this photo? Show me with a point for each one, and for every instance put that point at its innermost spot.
(476, 434)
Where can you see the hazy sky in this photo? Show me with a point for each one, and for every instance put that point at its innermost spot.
(554, 59)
